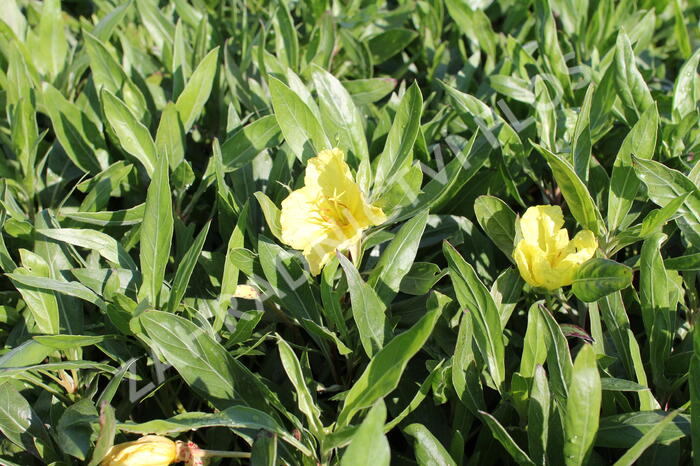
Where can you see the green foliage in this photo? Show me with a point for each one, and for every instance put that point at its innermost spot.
(146, 151)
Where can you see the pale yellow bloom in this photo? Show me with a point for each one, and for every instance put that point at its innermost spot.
(545, 256)
(150, 450)
(246, 292)
(329, 213)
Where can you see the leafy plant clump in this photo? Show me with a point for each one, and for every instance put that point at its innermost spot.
(351, 232)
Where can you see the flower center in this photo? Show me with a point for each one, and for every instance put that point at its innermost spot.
(333, 212)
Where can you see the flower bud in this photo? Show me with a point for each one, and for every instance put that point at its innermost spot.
(150, 450)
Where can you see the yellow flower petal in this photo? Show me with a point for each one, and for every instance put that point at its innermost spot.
(329, 213)
(545, 257)
(300, 219)
(150, 450)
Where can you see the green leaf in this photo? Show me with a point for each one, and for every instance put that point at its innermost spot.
(635, 452)
(286, 37)
(112, 387)
(81, 140)
(369, 444)
(103, 244)
(202, 362)
(657, 218)
(495, 129)
(465, 374)
(26, 354)
(74, 430)
(397, 259)
(559, 365)
(451, 179)
(388, 43)
(694, 389)
(101, 187)
(475, 298)
(415, 402)
(548, 43)
(367, 91)
(126, 217)
(575, 192)
(688, 262)
(582, 407)
(264, 449)
(299, 125)
(271, 213)
(546, 118)
(104, 28)
(629, 82)
(234, 417)
(42, 303)
(328, 335)
(330, 299)
(25, 138)
(383, 373)
(368, 310)
(170, 136)
(185, 269)
(73, 289)
(427, 448)
(20, 424)
(421, 278)
(498, 221)
(514, 87)
(305, 400)
(624, 184)
(613, 384)
(156, 234)
(64, 342)
(535, 344)
(241, 148)
(339, 115)
(626, 429)
(684, 94)
(55, 366)
(108, 74)
(504, 438)
(680, 31)
(133, 137)
(599, 277)
(399, 141)
(12, 15)
(657, 314)
(105, 438)
(664, 185)
(196, 93)
(229, 279)
(538, 416)
(50, 45)
(288, 280)
(477, 26)
(581, 144)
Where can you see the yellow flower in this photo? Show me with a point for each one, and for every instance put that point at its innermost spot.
(329, 213)
(150, 450)
(545, 256)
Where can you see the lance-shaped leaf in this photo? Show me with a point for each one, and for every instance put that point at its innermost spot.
(575, 192)
(582, 407)
(599, 277)
(476, 299)
(156, 233)
(382, 374)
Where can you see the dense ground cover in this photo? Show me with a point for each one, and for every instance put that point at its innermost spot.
(170, 213)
